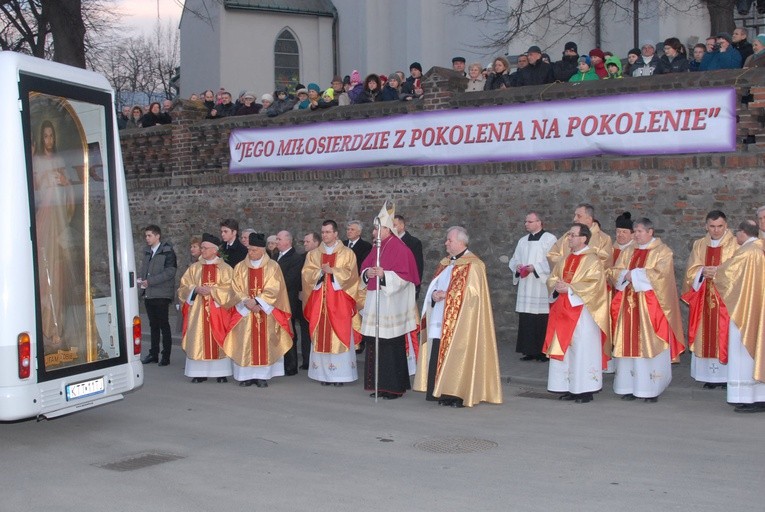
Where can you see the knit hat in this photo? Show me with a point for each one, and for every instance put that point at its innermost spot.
(383, 79)
(355, 77)
(597, 52)
(761, 39)
(415, 65)
(624, 221)
(267, 97)
(249, 94)
(634, 51)
(314, 87)
(726, 36)
(394, 76)
(534, 49)
(330, 92)
(257, 240)
(571, 46)
(585, 59)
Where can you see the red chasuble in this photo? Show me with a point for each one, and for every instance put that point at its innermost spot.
(563, 316)
(708, 311)
(330, 310)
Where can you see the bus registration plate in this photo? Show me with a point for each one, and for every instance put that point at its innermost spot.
(86, 388)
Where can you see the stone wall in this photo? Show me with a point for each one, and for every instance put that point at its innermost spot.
(178, 178)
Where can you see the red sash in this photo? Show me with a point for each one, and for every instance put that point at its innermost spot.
(631, 311)
(214, 321)
(709, 312)
(329, 311)
(563, 316)
(259, 333)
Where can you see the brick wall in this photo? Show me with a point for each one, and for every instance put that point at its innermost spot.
(177, 178)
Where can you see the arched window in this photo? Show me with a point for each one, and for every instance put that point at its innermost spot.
(286, 60)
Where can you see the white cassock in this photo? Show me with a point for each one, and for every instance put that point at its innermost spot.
(641, 376)
(742, 388)
(532, 290)
(581, 370)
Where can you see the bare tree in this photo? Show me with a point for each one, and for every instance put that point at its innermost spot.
(61, 30)
(535, 17)
(141, 67)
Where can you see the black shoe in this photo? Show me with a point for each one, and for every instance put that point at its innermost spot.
(457, 404)
(567, 397)
(445, 403)
(750, 408)
(337, 384)
(528, 358)
(326, 383)
(150, 359)
(630, 397)
(222, 379)
(195, 380)
(390, 396)
(291, 372)
(261, 383)
(164, 362)
(360, 347)
(304, 367)
(245, 384)
(543, 358)
(584, 398)
(713, 385)
(651, 400)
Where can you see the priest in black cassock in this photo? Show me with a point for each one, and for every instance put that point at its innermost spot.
(359, 246)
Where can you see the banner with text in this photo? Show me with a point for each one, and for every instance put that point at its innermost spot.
(687, 121)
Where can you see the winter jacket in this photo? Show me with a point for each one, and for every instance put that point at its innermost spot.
(677, 65)
(536, 74)
(730, 59)
(159, 271)
(584, 77)
(565, 68)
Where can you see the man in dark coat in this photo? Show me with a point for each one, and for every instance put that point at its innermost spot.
(156, 283)
(565, 68)
(741, 44)
(360, 247)
(291, 264)
(414, 244)
(538, 72)
(231, 250)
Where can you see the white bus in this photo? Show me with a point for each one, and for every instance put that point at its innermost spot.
(70, 333)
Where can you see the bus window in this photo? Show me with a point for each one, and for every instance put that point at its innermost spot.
(72, 235)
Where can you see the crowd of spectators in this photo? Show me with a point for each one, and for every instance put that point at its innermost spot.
(722, 51)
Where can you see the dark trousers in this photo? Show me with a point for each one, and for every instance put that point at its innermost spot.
(291, 357)
(157, 309)
(435, 345)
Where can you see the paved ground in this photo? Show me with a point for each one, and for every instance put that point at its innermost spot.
(300, 446)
